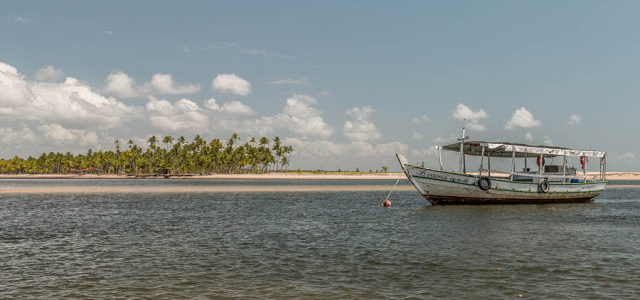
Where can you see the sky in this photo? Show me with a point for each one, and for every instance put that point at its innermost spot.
(347, 83)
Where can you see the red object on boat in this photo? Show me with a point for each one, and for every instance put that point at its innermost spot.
(583, 161)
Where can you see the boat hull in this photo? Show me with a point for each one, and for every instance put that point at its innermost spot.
(441, 187)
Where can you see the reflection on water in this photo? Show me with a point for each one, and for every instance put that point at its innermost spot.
(324, 245)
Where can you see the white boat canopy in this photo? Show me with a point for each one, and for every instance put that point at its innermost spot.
(501, 149)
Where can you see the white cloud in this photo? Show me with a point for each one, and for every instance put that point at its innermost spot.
(421, 119)
(231, 83)
(164, 84)
(291, 80)
(182, 116)
(59, 135)
(417, 135)
(119, 84)
(360, 128)
(108, 32)
(547, 141)
(20, 20)
(528, 136)
(257, 52)
(445, 140)
(325, 148)
(17, 138)
(391, 148)
(70, 103)
(626, 156)
(463, 112)
(236, 108)
(55, 132)
(211, 104)
(301, 117)
(425, 152)
(522, 118)
(574, 120)
(48, 73)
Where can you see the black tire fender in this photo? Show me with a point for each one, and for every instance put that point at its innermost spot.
(543, 186)
(484, 183)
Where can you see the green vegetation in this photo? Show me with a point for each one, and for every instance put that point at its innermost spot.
(175, 156)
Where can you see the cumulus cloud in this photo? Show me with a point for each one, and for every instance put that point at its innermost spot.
(445, 140)
(522, 118)
(421, 119)
(301, 117)
(58, 134)
(182, 116)
(291, 81)
(212, 104)
(19, 138)
(547, 141)
(326, 148)
(626, 156)
(231, 83)
(574, 120)
(528, 136)
(164, 84)
(417, 135)
(70, 103)
(48, 73)
(55, 132)
(121, 85)
(360, 128)
(463, 112)
(237, 108)
(425, 152)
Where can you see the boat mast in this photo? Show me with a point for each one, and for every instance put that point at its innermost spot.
(461, 164)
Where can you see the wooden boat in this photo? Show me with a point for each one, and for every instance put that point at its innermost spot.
(547, 184)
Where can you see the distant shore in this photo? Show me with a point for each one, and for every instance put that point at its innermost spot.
(273, 176)
(264, 176)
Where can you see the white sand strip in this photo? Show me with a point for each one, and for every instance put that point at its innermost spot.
(201, 189)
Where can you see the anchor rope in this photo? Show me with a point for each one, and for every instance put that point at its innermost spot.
(391, 191)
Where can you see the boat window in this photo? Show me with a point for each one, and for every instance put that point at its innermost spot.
(552, 169)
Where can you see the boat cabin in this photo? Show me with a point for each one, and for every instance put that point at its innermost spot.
(553, 173)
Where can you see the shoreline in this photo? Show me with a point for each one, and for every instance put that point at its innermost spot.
(611, 176)
(266, 176)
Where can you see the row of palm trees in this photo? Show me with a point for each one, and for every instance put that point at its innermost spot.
(167, 156)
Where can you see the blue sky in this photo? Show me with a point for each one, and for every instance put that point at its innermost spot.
(357, 74)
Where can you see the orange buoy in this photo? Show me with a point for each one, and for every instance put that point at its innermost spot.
(386, 203)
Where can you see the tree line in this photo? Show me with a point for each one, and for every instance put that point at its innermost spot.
(168, 156)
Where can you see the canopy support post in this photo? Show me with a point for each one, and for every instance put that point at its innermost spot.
(481, 160)
(584, 171)
(604, 169)
(461, 163)
(489, 163)
(513, 164)
(440, 156)
(564, 169)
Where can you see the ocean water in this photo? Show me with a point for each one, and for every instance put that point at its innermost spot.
(312, 245)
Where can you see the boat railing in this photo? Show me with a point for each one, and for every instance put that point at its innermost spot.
(549, 175)
(489, 172)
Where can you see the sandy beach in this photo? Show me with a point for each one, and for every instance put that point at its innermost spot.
(201, 189)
